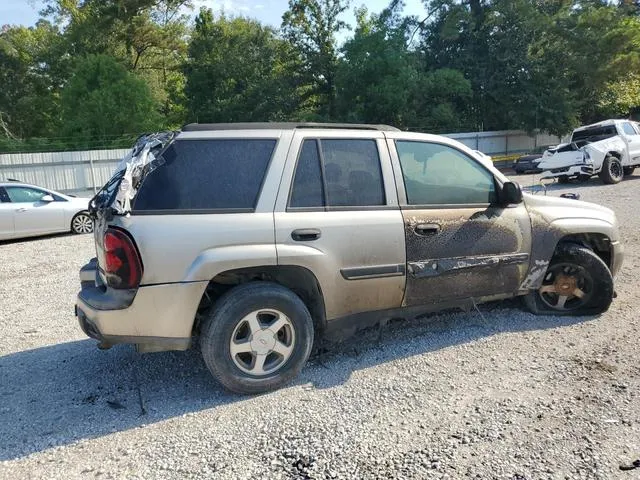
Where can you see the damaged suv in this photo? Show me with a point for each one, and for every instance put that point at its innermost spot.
(257, 239)
(609, 149)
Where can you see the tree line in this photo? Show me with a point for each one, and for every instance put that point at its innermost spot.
(96, 73)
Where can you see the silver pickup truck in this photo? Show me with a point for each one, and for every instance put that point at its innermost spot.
(256, 239)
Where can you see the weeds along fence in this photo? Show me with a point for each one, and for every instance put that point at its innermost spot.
(84, 172)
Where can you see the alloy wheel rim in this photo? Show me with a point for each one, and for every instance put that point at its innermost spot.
(82, 224)
(262, 342)
(615, 169)
(566, 287)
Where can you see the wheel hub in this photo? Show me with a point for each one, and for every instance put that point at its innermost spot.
(565, 284)
(263, 342)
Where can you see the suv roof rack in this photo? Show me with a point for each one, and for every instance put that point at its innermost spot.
(13, 180)
(196, 127)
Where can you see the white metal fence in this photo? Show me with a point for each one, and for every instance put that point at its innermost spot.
(505, 142)
(82, 173)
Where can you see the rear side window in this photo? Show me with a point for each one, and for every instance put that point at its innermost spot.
(308, 190)
(338, 173)
(628, 128)
(3, 196)
(207, 175)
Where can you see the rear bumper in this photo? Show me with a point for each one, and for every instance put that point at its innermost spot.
(157, 317)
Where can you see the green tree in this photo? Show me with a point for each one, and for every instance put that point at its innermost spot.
(29, 96)
(600, 55)
(103, 100)
(630, 7)
(149, 37)
(489, 42)
(537, 65)
(236, 71)
(377, 77)
(382, 81)
(443, 102)
(311, 27)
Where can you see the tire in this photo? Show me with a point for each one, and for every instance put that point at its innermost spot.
(81, 223)
(564, 179)
(244, 313)
(592, 278)
(628, 170)
(612, 171)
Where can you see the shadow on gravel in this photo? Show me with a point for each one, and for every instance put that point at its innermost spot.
(60, 394)
(429, 333)
(35, 239)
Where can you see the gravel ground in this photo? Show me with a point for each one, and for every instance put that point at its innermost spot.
(502, 394)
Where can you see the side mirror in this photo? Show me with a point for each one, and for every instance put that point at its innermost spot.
(511, 193)
(47, 199)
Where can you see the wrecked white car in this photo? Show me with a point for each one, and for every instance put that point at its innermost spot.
(609, 149)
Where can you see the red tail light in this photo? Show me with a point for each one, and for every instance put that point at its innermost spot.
(122, 264)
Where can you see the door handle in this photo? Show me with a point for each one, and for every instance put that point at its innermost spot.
(305, 234)
(427, 229)
(20, 210)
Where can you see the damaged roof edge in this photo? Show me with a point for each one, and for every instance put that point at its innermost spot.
(198, 127)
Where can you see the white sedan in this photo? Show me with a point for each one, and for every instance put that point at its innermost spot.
(28, 211)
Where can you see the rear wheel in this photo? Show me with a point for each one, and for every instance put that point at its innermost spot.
(257, 337)
(577, 282)
(563, 179)
(628, 170)
(612, 171)
(82, 223)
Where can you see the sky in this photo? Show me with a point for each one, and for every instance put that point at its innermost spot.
(25, 12)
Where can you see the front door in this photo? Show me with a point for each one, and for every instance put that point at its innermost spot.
(31, 214)
(461, 244)
(6, 216)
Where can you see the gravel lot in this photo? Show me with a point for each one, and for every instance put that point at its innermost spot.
(502, 394)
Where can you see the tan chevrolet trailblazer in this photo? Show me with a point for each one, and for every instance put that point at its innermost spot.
(258, 238)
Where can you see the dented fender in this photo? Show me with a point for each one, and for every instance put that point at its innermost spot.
(553, 219)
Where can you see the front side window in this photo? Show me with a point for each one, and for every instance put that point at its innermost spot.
(25, 194)
(214, 174)
(436, 174)
(338, 173)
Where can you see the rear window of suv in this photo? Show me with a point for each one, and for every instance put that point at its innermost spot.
(205, 175)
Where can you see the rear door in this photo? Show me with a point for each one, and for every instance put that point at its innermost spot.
(32, 215)
(337, 214)
(6, 216)
(460, 243)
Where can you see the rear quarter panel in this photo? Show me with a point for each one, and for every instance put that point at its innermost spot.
(196, 247)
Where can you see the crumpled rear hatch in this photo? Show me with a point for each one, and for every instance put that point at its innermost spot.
(115, 197)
